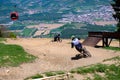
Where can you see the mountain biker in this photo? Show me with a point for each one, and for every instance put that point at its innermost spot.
(75, 42)
(57, 37)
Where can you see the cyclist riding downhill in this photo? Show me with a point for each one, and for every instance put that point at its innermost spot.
(75, 42)
(57, 38)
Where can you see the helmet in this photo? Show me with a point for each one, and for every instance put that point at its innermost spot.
(72, 37)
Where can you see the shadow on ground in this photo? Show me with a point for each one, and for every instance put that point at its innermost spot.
(77, 57)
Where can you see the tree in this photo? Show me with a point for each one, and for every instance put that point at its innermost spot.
(1, 30)
(116, 15)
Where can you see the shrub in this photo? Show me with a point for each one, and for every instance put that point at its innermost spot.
(49, 74)
(12, 35)
(34, 77)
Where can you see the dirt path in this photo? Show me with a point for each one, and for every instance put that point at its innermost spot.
(52, 56)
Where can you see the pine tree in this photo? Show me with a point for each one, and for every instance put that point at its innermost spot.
(116, 15)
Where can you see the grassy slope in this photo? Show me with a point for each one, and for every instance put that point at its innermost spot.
(13, 55)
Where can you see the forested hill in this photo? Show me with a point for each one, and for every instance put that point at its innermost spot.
(29, 9)
(46, 5)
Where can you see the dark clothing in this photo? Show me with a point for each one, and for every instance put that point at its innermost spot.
(78, 47)
(57, 37)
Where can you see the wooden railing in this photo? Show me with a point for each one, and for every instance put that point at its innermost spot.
(115, 35)
(105, 36)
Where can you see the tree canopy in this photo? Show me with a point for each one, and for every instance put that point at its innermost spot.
(116, 15)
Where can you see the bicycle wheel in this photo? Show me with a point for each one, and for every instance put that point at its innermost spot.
(86, 52)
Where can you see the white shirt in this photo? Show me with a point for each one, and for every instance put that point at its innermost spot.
(75, 41)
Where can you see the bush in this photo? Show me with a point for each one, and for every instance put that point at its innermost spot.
(60, 72)
(37, 76)
(12, 35)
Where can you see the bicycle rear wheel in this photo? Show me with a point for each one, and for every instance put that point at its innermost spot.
(86, 52)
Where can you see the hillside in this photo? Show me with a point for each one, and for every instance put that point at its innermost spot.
(56, 12)
(47, 11)
(52, 57)
(80, 29)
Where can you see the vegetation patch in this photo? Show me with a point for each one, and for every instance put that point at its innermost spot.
(117, 58)
(27, 32)
(109, 72)
(53, 73)
(2, 39)
(46, 74)
(35, 77)
(90, 69)
(50, 74)
(97, 72)
(13, 55)
(80, 29)
(112, 48)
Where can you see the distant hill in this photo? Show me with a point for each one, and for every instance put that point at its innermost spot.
(46, 10)
(80, 29)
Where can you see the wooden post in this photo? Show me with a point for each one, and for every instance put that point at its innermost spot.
(110, 41)
(106, 42)
(119, 42)
(102, 41)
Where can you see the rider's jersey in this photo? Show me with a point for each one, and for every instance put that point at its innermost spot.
(75, 41)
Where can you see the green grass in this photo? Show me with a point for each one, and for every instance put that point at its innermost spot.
(60, 72)
(98, 77)
(2, 39)
(91, 69)
(112, 48)
(27, 32)
(53, 73)
(111, 72)
(13, 55)
(34, 77)
(47, 74)
(117, 58)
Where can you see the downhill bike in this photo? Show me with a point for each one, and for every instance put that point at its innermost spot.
(86, 52)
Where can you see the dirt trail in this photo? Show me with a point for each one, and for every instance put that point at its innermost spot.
(52, 56)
